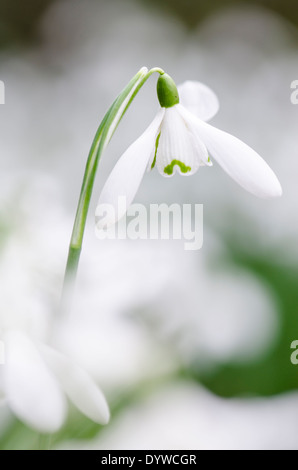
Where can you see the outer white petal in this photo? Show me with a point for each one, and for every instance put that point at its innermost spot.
(127, 174)
(240, 161)
(198, 99)
(32, 391)
(176, 145)
(78, 386)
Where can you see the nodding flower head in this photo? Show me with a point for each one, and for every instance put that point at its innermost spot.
(180, 141)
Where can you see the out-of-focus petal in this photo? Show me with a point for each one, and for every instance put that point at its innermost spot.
(78, 386)
(33, 392)
(198, 99)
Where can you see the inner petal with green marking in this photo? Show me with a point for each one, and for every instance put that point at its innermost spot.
(175, 149)
(170, 168)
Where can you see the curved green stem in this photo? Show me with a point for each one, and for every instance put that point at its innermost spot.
(102, 137)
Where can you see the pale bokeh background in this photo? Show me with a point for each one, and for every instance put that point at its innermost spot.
(191, 349)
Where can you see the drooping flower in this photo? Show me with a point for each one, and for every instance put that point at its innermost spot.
(180, 140)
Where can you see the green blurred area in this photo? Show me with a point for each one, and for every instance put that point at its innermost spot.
(274, 373)
(19, 19)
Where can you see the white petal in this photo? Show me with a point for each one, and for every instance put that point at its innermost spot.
(240, 161)
(33, 392)
(176, 149)
(200, 147)
(198, 99)
(201, 150)
(78, 386)
(127, 175)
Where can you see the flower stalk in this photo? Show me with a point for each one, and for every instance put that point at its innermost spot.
(102, 137)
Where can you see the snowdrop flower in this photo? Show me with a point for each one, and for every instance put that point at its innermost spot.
(36, 379)
(179, 140)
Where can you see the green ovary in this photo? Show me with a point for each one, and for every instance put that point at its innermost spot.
(169, 169)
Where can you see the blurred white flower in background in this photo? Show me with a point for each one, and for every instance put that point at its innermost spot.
(35, 378)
